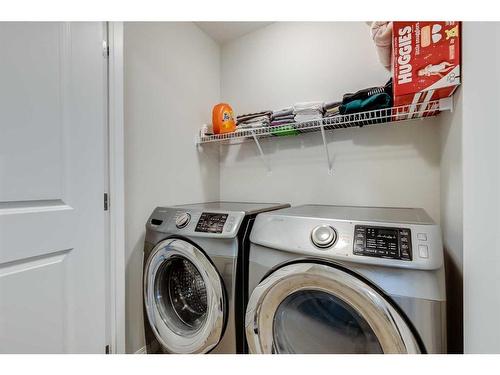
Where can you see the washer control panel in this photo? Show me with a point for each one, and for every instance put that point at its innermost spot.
(182, 220)
(385, 242)
(210, 222)
(323, 236)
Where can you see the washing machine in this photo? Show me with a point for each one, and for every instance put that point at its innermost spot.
(194, 269)
(333, 279)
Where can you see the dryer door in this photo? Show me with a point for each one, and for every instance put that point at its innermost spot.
(184, 298)
(319, 308)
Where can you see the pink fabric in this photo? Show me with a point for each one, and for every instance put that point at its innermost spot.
(381, 32)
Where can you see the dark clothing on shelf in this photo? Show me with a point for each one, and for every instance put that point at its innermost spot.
(366, 93)
(372, 102)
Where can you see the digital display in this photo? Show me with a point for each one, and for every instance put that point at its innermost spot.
(379, 238)
(384, 242)
(211, 222)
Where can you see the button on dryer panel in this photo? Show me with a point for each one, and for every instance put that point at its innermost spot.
(422, 236)
(423, 251)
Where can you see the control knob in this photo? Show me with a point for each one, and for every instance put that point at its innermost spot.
(323, 236)
(182, 220)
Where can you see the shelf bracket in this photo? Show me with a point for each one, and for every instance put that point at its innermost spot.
(327, 153)
(446, 104)
(262, 156)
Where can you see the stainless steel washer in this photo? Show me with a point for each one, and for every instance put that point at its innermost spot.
(333, 279)
(195, 259)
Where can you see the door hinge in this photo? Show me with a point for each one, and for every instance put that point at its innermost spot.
(106, 202)
(105, 49)
(108, 349)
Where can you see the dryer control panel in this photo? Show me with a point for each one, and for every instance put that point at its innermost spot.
(386, 242)
(211, 222)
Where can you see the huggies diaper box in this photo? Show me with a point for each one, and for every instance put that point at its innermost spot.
(426, 63)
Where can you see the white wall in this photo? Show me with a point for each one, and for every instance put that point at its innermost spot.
(452, 219)
(171, 82)
(285, 63)
(481, 186)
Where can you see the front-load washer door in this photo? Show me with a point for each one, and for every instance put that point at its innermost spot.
(184, 298)
(320, 308)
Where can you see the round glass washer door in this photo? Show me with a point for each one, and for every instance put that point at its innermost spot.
(184, 298)
(321, 309)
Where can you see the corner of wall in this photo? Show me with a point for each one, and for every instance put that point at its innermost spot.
(451, 197)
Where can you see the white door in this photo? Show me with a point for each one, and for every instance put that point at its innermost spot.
(52, 179)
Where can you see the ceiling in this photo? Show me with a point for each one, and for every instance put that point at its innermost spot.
(223, 32)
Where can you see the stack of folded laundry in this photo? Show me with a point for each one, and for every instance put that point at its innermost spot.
(331, 109)
(282, 117)
(254, 120)
(308, 111)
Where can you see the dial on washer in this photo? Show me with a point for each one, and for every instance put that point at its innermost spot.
(182, 220)
(323, 236)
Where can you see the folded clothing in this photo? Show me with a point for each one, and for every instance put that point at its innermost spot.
(308, 108)
(371, 103)
(282, 112)
(282, 122)
(252, 125)
(282, 118)
(250, 116)
(256, 119)
(365, 93)
(308, 117)
(331, 109)
(331, 113)
(308, 111)
(328, 106)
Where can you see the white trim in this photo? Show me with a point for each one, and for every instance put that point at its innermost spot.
(116, 187)
(141, 351)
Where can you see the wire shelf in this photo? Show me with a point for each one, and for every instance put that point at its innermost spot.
(360, 119)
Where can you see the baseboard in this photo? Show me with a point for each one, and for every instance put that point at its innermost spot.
(141, 351)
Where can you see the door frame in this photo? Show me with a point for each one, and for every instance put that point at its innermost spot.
(116, 188)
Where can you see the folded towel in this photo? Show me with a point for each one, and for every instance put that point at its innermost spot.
(280, 118)
(307, 107)
(308, 117)
(252, 125)
(249, 116)
(282, 112)
(255, 119)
